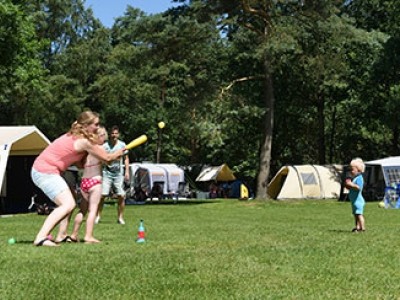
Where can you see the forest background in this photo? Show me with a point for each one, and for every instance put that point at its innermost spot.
(257, 84)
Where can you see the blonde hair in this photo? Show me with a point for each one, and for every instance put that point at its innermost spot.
(101, 130)
(359, 164)
(79, 127)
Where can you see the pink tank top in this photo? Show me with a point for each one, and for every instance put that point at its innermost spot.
(58, 156)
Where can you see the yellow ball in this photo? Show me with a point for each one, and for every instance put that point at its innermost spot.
(161, 125)
(381, 204)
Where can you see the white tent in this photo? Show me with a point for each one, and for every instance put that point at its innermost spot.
(24, 142)
(306, 181)
(175, 177)
(219, 173)
(145, 175)
(379, 174)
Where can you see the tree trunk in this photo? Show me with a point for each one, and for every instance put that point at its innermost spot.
(266, 146)
(332, 136)
(395, 144)
(321, 130)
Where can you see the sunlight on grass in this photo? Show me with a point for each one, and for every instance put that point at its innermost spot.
(223, 249)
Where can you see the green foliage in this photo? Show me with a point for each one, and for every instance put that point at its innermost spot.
(165, 70)
(323, 66)
(21, 74)
(202, 68)
(223, 249)
(60, 24)
(378, 89)
(376, 15)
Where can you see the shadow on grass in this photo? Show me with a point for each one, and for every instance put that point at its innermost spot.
(30, 242)
(172, 202)
(341, 231)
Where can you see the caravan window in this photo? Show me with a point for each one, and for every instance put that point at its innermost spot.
(308, 178)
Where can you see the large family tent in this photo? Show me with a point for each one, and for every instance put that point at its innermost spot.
(379, 174)
(148, 175)
(175, 178)
(218, 173)
(306, 181)
(146, 178)
(19, 146)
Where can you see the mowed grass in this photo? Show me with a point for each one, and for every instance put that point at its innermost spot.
(223, 249)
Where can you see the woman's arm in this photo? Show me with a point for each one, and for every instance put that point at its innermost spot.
(81, 164)
(97, 151)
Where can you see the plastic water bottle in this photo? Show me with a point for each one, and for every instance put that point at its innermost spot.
(141, 233)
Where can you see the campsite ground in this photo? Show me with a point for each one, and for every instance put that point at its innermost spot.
(211, 249)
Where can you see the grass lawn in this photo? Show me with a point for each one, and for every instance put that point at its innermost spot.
(222, 249)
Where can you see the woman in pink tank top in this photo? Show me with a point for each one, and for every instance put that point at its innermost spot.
(71, 148)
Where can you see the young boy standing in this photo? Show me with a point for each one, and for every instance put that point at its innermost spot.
(355, 185)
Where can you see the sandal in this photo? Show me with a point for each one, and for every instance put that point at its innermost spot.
(46, 242)
(68, 239)
(72, 240)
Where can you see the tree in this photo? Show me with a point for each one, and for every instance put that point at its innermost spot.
(255, 16)
(85, 62)
(313, 55)
(20, 69)
(380, 92)
(60, 24)
(165, 67)
(65, 31)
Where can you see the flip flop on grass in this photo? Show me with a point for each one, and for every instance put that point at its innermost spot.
(47, 243)
(68, 239)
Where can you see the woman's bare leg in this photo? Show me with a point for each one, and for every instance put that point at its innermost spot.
(66, 204)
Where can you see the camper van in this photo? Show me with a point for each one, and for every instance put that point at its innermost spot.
(155, 181)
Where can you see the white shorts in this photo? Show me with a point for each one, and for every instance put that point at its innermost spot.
(116, 182)
(51, 184)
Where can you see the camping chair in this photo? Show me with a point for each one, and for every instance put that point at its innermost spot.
(174, 195)
(183, 189)
(392, 196)
(157, 191)
(42, 207)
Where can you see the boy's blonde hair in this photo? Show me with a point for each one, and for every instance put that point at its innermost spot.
(101, 130)
(358, 163)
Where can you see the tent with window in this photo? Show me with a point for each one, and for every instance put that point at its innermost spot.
(306, 181)
(379, 174)
(19, 146)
